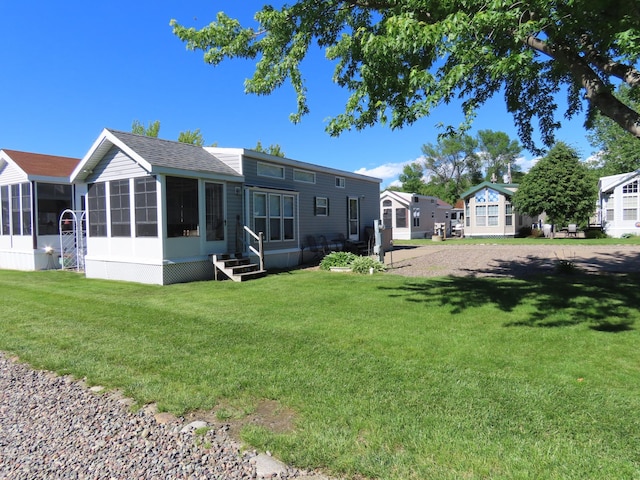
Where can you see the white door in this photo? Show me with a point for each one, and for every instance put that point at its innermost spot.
(354, 218)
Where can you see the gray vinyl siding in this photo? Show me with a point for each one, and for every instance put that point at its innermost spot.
(365, 188)
(115, 165)
(368, 193)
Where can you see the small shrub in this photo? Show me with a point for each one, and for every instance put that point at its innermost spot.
(357, 263)
(525, 232)
(627, 235)
(365, 264)
(594, 233)
(565, 266)
(337, 259)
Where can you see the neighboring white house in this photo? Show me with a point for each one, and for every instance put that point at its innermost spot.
(489, 213)
(618, 203)
(34, 190)
(411, 215)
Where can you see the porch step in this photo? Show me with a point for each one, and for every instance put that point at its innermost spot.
(238, 269)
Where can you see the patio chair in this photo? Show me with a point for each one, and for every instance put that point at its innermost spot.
(324, 244)
(314, 248)
(572, 230)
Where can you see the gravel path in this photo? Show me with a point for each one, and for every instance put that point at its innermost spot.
(493, 260)
(53, 427)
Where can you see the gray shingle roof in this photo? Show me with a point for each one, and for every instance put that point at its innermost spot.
(171, 154)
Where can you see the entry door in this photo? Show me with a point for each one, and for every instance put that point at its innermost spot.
(216, 225)
(354, 218)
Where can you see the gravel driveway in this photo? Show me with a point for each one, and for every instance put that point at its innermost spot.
(494, 260)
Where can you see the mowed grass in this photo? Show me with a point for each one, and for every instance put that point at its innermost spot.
(389, 377)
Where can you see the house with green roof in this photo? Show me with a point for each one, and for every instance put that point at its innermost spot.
(489, 212)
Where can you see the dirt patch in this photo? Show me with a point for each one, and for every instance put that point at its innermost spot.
(268, 414)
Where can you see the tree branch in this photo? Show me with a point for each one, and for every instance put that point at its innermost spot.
(597, 93)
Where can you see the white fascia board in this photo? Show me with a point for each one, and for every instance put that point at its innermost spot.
(46, 179)
(100, 147)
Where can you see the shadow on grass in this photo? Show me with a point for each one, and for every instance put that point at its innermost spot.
(606, 302)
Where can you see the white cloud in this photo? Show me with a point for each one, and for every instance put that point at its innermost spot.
(388, 172)
(526, 163)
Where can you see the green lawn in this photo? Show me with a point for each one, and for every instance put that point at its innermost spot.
(389, 377)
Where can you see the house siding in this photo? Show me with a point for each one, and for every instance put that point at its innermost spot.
(499, 192)
(12, 175)
(613, 201)
(427, 210)
(366, 190)
(115, 165)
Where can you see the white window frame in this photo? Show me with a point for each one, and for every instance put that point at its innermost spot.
(304, 176)
(270, 170)
(270, 218)
(340, 182)
(322, 207)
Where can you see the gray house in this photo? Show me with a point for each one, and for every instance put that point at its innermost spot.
(158, 210)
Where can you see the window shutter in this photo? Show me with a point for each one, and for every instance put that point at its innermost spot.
(315, 206)
(328, 206)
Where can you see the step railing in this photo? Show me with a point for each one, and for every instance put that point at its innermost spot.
(259, 237)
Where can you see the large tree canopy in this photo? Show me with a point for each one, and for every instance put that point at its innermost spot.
(402, 58)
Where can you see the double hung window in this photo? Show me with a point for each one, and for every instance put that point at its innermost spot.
(274, 215)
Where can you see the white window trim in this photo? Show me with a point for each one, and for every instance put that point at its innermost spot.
(265, 173)
(319, 208)
(297, 172)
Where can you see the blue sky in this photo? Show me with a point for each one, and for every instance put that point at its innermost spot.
(70, 69)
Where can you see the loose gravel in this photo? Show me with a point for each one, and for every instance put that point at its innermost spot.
(511, 261)
(53, 427)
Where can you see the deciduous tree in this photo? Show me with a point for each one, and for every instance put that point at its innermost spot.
(498, 152)
(401, 59)
(559, 185)
(192, 137)
(411, 178)
(452, 164)
(273, 149)
(151, 131)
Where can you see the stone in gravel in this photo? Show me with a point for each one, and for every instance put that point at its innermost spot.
(269, 467)
(193, 426)
(164, 418)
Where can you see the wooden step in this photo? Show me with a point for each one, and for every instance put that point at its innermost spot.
(238, 269)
